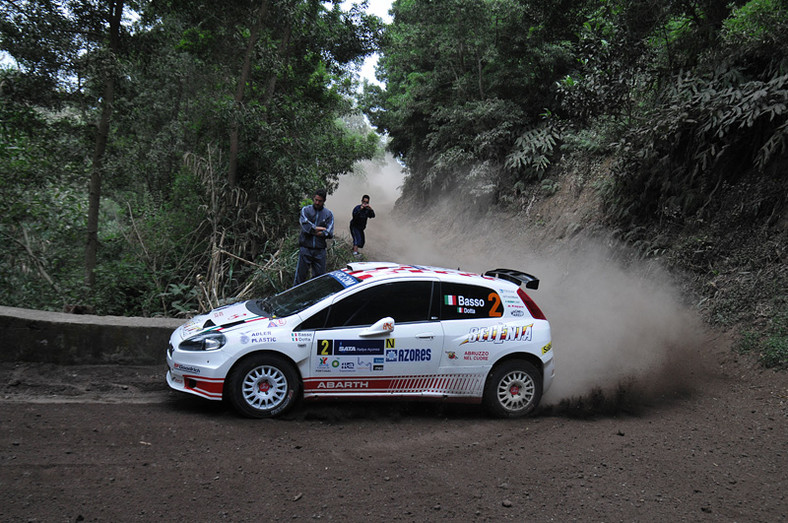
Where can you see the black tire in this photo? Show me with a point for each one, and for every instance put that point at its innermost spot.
(263, 386)
(513, 389)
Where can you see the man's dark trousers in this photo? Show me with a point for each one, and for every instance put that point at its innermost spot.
(314, 259)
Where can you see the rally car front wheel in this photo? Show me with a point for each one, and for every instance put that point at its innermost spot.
(513, 389)
(262, 386)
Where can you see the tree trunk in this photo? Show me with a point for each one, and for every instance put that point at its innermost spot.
(102, 136)
(254, 36)
(284, 53)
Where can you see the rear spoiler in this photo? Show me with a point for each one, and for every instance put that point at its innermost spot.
(517, 277)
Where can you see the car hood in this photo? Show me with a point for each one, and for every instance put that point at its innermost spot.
(223, 317)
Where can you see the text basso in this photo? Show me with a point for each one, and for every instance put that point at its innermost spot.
(462, 301)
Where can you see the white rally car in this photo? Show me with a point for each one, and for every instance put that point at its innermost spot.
(373, 330)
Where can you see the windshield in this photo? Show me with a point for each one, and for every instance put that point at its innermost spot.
(305, 295)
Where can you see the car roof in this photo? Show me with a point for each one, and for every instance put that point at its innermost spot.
(369, 272)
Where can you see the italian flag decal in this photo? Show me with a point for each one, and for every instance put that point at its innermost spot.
(450, 299)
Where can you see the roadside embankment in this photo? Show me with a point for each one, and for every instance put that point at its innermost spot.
(77, 339)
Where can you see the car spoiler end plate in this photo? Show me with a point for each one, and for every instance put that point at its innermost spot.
(517, 277)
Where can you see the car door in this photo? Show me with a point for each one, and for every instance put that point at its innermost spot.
(381, 340)
(471, 316)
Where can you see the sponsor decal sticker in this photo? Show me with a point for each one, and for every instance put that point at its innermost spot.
(344, 385)
(363, 364)
(499, 334)
(186, 368)
(192, 325)
(476, 355)
(410, 355)
(349, 347)
(462, 301)
(257, 337)
(322, 363)
(357, 347)
(517, 313)
(547, 348)
(345, 279)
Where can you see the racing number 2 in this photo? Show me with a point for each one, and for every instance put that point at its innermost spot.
(494, 312)
(324, 347)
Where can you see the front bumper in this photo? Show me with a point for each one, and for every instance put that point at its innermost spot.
(210, 388)
(199, 373)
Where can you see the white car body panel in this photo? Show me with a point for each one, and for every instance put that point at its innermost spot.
(448, 358)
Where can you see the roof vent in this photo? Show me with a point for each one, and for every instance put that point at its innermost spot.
(370, 266)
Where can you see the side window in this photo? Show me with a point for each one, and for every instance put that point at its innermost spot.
(403, 301)
(316, 321)
(460, 301)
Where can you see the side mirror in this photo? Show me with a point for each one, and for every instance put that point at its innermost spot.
(382, 326)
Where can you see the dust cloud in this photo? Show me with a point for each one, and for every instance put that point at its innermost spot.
(381, 180)
(618, 327)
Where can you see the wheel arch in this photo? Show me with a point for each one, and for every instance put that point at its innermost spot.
(269, 352)
(525, 356)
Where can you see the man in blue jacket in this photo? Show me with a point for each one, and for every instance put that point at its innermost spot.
(317, 226)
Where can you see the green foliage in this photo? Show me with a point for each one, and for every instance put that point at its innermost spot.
(279, 75)
(711, 133)
(464, 80)
(760, 21)
(43, 205)
(596, 137)
(533, 150)
(771, 345)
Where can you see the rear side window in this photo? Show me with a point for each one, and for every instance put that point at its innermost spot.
(403, 301)
(460, 301)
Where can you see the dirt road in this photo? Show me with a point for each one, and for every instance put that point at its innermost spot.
(108, 443)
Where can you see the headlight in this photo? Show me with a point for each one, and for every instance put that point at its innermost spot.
(207, 341)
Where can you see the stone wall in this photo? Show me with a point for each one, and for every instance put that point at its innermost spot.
(77, 339)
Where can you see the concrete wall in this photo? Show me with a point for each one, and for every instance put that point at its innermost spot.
(71, 339)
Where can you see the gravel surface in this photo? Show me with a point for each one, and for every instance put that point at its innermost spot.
(112, 443)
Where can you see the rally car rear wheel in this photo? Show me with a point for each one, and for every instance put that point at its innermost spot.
(263, 386)
(513, 389)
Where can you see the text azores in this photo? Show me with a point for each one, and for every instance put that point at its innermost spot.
(409, 355)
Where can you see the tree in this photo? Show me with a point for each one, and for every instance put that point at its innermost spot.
(57, 45)
(261, 93)
(464, 79)
(113, 17)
